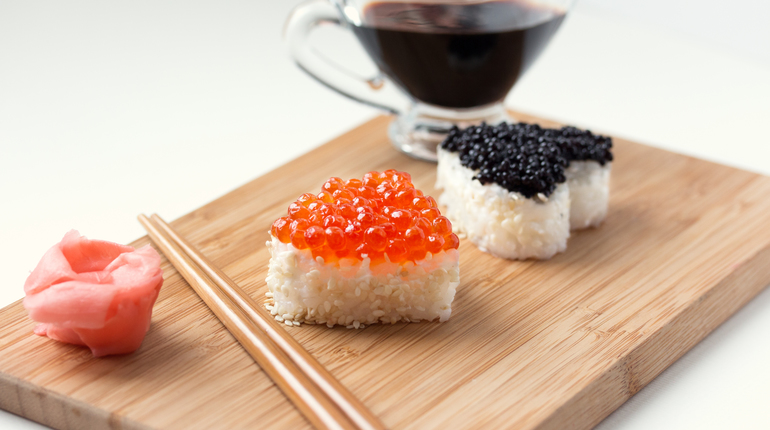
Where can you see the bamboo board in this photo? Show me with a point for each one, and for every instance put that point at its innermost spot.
(552, 344)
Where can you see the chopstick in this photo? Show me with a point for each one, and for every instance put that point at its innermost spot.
(305, 395)
(356, 411)
(314, 391)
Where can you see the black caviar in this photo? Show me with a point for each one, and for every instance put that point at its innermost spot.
(525, 158)
(518, 157)
(582, 145)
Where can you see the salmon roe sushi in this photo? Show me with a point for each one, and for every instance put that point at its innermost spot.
(381, 216)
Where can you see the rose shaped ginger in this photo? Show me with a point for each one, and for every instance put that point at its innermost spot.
(94, 293)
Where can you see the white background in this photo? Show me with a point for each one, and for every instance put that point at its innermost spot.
(111, 109)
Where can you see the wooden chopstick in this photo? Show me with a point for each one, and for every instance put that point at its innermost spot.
(356, 411)
(313, 403)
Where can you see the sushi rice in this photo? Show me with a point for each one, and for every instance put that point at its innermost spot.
(353, 294)
(589, 189)
(503, 223)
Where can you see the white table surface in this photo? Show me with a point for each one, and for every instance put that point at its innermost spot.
(111, 109)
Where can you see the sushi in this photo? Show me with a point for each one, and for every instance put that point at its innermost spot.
(516, 190)
(94, 293)
(505, 188)
(588, 174)
(360, 252)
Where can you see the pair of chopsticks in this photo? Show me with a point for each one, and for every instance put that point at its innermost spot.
(308, 385)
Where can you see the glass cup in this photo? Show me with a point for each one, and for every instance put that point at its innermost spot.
(440, 62)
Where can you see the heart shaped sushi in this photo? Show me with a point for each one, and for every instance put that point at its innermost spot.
(516, 190)
(94, 293)
(363, 251)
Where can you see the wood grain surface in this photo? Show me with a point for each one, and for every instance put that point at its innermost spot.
(555, 344)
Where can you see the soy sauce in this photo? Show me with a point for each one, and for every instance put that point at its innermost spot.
(456, 55)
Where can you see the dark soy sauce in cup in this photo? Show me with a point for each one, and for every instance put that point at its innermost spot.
(457, 55)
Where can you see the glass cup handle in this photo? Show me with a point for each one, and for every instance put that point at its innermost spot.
(377, 91)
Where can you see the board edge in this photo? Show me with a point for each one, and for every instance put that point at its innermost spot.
(635, 370)
(55, 410)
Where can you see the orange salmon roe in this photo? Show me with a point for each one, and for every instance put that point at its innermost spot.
(381, 215)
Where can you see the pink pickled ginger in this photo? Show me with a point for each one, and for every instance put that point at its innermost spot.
(94, 293)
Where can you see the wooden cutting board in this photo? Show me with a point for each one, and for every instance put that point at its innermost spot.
(538, 344)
